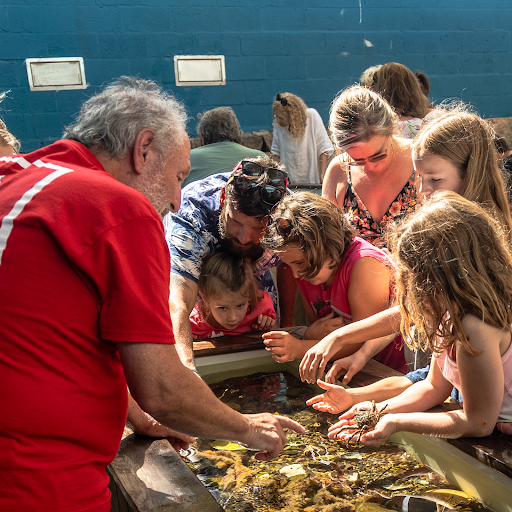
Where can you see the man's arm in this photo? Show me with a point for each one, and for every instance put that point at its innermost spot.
(287, 288)
(182, 298)
(179, 399)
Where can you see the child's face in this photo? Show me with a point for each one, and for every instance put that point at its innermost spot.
(294, 258)
(229, 311)
(436, 173)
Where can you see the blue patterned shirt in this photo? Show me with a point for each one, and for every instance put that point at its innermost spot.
(193, 232)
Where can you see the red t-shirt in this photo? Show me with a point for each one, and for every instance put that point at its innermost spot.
(335, 298)
(202, 329)
(83, 264)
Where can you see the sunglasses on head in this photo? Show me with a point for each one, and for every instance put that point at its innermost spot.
(283, 101)
(272, 189)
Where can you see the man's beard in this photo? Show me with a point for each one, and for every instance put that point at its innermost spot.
(153, 187)
(252, 251)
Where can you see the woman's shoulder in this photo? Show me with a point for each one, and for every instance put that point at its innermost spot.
(335, 181)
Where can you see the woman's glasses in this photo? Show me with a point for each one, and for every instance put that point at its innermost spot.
(372, 159)
(283, 101)
(272, 189)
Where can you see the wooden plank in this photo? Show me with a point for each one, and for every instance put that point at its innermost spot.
(151, 476)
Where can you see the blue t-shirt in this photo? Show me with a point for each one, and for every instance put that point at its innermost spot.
(193, 232)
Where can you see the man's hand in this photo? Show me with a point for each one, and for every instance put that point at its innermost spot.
(266, 434)
(335, 400)
(323, 326)
(263, 322)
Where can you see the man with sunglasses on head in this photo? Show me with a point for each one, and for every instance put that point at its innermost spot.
(229, 210)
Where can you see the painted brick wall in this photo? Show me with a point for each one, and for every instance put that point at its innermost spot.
(312, 48)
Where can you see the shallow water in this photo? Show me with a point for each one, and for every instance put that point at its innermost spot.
(313, 473)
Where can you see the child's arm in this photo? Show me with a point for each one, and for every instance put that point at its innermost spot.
(263, 322)
(482, 384)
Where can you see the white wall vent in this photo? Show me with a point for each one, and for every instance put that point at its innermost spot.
(201, 70)
(55, 74)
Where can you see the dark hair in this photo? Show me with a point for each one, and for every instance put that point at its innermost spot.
(219, 124)
(223, 273)
(502, 146)
(423, 81)
(398, 85)
(251, 205)
(111, 119)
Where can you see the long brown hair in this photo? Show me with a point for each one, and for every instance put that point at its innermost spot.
(295, 109)
(315, 225)
(454, 260)
(398, 85)
(467, 141)
(226, 273)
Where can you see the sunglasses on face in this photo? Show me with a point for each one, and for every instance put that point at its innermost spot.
(372, 159)
(283, 101)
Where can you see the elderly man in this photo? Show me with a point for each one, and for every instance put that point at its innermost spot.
(217, 211)
(221, 147)
(84, 284)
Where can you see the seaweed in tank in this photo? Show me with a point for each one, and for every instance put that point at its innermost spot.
(313, 473)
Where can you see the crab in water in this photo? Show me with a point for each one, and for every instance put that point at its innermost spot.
(365, 421)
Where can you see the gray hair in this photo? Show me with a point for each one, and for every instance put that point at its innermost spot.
(219, 124)
(357, 114)
(111, 119)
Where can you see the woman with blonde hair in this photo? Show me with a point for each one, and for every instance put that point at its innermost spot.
(377, 183)
(9, 144)
(300, 139)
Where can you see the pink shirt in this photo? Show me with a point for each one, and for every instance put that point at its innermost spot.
(450, 371)
(335, 298)
(202, 329)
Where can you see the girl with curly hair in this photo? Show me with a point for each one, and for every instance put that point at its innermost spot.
(300, 139)
(455, 286)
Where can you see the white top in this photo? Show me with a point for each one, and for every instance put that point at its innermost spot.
(301, 157)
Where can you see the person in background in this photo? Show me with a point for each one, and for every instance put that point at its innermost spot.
(229, 210)
(300, 140)
(84, 289)
(9, 144)
(230, 300)
(504, 157)
(221, 145)
(398, 85)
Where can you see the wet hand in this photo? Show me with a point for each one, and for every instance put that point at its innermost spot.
(282, 345)
(263, 322)
(316, 358)
(347, 419)
(266, 434)
(335, 400)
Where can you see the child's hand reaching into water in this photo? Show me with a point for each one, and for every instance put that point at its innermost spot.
(283, 346)
(335, 400)
(263, 323)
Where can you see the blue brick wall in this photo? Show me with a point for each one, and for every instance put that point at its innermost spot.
(312, 48)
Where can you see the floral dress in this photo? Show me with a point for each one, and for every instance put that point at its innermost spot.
(359, 216)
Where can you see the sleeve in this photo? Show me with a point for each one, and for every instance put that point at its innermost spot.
(322, 141)
(276, 143)
(129, 265)
(266, 306)
(187, 246)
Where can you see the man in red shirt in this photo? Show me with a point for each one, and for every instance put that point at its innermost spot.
(84, 287)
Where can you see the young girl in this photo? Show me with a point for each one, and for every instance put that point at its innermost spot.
(455, 286)
(300, 139)
(230, 300)
(454, 152)
(342, 278)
